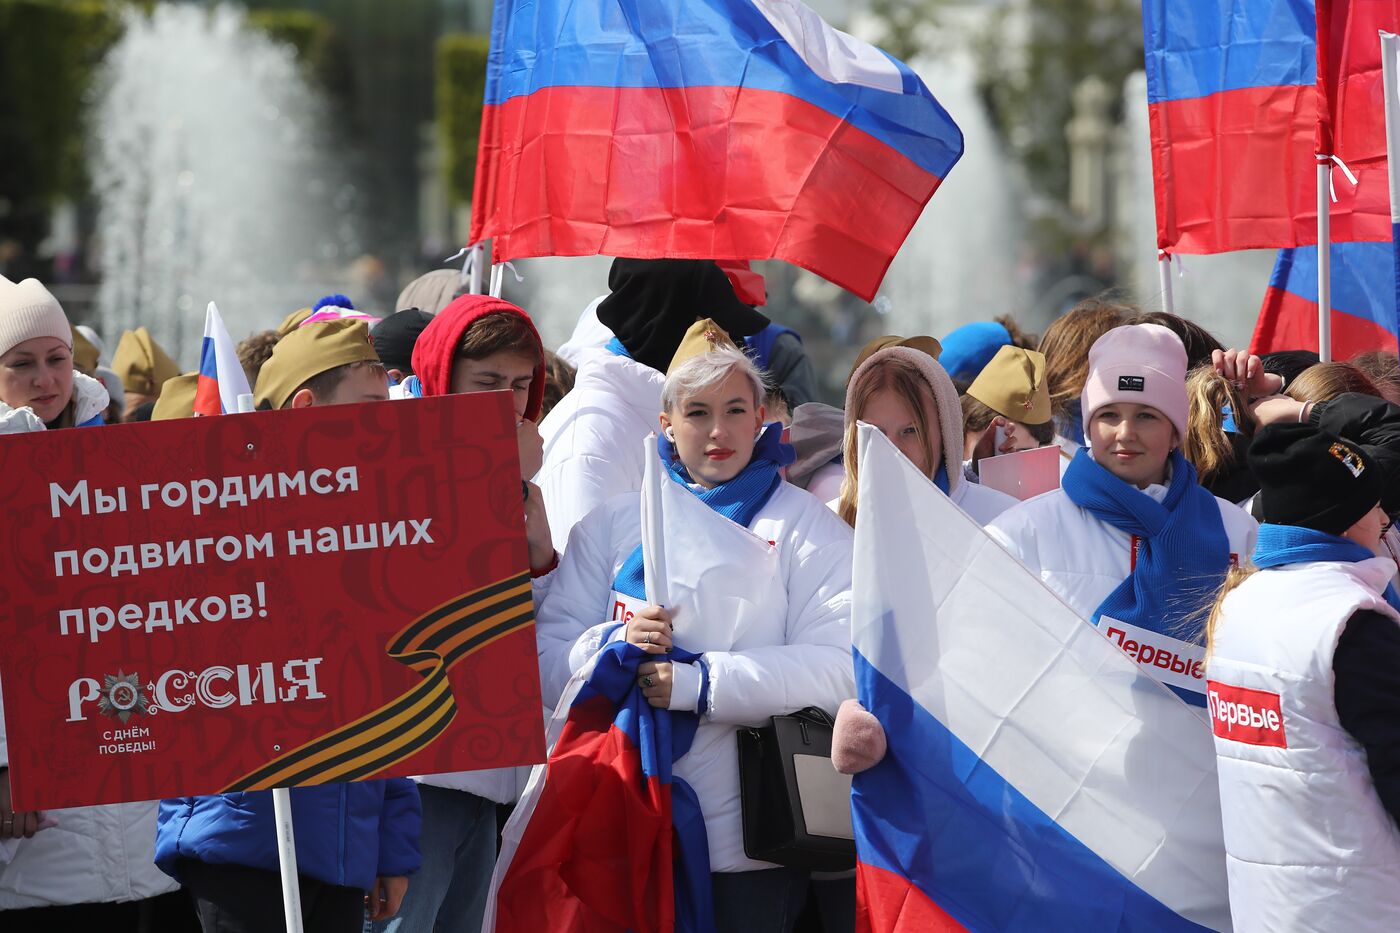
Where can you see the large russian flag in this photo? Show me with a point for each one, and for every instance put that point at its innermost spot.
(221, 377)
(1232, 104)
(708, 129)
(1036, 778)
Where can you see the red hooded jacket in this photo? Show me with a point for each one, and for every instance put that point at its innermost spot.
(436, 349)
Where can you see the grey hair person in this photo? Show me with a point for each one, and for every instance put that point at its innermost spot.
(703, 372)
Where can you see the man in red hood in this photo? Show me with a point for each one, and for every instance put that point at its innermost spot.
(475, 344)
(483, 344)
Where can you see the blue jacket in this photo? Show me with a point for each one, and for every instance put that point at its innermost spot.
(346, 834)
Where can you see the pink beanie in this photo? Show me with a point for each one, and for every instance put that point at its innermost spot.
(1140, 363)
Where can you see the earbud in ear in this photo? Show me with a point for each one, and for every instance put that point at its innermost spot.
(671, 435)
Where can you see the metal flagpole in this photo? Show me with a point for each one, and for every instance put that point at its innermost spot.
(1324, 258)
(1164, 278)
(477, 264)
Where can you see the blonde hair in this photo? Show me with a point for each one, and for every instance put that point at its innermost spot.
(1066, 347)
(1382, 367)
(1206, 444)
(1233, 579)
(909, 384)
(1323, 382)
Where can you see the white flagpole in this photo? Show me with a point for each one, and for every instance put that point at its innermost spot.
(1324, 258)
(1164, 278)
(1390, 73)
(287, 858)
(653, 527)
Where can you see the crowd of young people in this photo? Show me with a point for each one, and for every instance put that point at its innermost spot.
(1194, 478)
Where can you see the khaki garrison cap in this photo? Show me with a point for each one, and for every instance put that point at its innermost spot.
(176, 398)
(306, 353)
(1013, 385)
(702, 337)
(929, 345)
(141, 363)
(292, 321)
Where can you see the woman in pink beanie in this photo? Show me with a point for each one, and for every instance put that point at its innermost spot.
(1131, 541)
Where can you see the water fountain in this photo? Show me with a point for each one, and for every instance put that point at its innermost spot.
(216, 178)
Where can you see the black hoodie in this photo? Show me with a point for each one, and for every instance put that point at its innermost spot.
(654, 302)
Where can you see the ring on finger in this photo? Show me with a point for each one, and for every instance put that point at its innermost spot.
(647, 681)
(646, 639)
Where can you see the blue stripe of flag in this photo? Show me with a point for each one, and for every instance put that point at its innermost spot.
(1363, 279)
(935, 813)
(1196, 48)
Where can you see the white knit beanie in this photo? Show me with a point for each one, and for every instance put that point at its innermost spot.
(28, 310)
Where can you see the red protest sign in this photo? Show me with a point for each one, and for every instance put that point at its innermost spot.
(267, 599)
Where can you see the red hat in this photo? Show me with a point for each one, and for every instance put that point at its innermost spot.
(436, 349)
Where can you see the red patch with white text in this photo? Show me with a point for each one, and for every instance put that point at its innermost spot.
(1240, 714)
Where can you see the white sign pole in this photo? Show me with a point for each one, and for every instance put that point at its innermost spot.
(287, 858)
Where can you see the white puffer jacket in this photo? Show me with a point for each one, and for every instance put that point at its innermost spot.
(593, 438)
(1308, 843)
(794, 656)
(95, 854)
(1082, 558)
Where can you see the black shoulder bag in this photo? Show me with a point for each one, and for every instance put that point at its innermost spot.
(796, 806)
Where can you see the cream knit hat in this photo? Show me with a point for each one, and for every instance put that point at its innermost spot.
(27, 310)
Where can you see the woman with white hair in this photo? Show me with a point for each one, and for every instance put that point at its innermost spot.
(714, 443)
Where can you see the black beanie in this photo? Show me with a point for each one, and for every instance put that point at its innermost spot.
(395, 336)
(1313, 479)
(654, 302)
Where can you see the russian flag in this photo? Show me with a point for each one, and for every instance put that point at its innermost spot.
(1232, 106)
(1363, 301)
(1036, 778)
(1351, 122)
(1353, 126)
(709, 129)
(221, 376)
(604, 837)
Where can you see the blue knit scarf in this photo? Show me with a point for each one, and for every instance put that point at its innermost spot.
(1183, 553)
(940, 479)
(1279, 545)
(738, 500)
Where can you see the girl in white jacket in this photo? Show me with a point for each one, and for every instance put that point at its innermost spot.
(1304, 700)
(794, 656)
(1130, 540)
(79, 868)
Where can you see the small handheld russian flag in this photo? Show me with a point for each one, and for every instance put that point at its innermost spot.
(221, 376)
